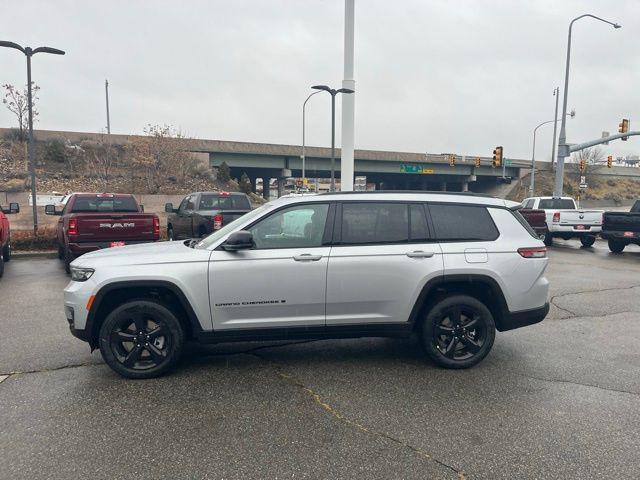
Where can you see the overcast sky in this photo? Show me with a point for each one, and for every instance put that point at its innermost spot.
(436, 76)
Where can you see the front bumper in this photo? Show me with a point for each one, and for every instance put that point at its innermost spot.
(513, 320)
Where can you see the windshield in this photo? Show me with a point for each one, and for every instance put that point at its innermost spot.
(104, 204)
(558, 203)
(230, 227)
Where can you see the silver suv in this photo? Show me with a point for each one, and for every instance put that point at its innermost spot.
(449, 268)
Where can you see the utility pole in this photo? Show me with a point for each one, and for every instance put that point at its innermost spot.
(348, 101)
(106, 94)
(556, 93)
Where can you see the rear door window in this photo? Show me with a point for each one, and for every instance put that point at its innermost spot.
(223, 202)
(374, 223)
(462, 223)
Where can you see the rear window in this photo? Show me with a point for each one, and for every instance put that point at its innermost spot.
(462, 223)
(557, 203)
(104, 204)
(224, 202)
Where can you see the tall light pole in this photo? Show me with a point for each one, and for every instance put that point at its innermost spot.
(333, 92)
(29, 52)
(106, 94)
(563, 148)
(533, 153)
(348, 103)
(556, 93)
(302, 157)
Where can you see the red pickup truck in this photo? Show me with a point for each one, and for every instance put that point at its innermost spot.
(537, 220)
(91, 221)
(5, 235)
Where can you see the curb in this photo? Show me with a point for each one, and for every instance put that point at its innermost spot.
(21, 255)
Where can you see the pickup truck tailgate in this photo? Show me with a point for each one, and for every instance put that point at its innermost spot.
(104, 227)
(621, 221)
(580, 217)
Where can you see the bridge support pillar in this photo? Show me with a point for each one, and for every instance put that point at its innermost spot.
(443, 187)
(465, 186)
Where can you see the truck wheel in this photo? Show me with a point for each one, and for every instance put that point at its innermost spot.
(170, 236)
(458, 332)
(68, 258)
(141, 339)
(60, 253)
(6, 252)
(588, 240)
(548, 239)
(616, 246)
(1, 266)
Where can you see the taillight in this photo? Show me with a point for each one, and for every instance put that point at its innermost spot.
(556, 217)
(73, 227)
(535, 252)
(217, 222)
(156, 227)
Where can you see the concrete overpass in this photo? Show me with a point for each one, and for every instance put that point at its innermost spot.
(388, 170)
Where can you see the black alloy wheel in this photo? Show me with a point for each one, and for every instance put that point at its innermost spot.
(458, 332)
(141, 339)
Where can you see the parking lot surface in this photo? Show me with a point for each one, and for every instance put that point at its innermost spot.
(560, 399)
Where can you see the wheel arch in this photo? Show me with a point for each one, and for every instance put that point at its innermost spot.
(481, 287)
(117, 293)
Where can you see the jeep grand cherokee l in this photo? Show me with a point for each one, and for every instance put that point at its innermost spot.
(449, 268)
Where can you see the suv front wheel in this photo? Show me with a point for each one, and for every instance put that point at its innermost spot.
(458, 332)
(141, 339)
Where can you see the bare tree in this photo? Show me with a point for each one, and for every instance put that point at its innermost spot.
(16, 102)
(591, 156)
(102, 157)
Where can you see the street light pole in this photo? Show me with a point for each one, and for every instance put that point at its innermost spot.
(533, 153)
(333, 92)
(29, 52)
(563, 148)
(303, 157)
(106, 94)
(556, 93)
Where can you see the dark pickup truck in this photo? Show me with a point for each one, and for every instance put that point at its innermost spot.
(5, 234)
(202, 213)
(622, 228)
(91, 221)
(537, 219)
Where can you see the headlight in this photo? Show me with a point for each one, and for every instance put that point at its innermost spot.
(79, 274)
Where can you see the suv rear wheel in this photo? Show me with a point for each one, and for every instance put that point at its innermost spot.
(458, 332)
(141, 339)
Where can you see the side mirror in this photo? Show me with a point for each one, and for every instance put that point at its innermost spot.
(240, 240)
(168, 207)
(13, 208)
(51, 210)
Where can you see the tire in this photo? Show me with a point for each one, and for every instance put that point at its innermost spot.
(6, 251)
(60, 253)
(135, 358)
(67, 259)
(588, 240)
(1, 266)
(462, 348)
(548, 239)
(616, 246)
(170, 236)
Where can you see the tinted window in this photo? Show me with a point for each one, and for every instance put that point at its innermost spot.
(529, 203)
(190, 205)
(462, 223)
(417, 223)
(104, 204)
(373, 222)
(294, 227)
(224, 202)
(559, 203)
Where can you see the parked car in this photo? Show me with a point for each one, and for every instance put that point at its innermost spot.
(565, 220)
(449, 268)
(5, 234)
(537, 219)
(201, 213)
(92, 221)
(622, 228)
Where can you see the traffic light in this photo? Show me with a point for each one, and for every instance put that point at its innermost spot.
(452, 160)
(477, 162)
(609, 161)
(583, 165)
(623, 127)
(497, 157)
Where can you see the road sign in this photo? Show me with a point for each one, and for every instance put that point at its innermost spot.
(507, 163)
(583, 179)
(605, 135)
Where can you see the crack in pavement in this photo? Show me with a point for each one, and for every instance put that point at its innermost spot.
(51, 369)
(552, 300)
(292, 380)
(570, 382)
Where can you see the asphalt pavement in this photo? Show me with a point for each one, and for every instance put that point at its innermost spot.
(556, 400)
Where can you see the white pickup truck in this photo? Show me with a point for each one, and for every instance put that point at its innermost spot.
(565, 220)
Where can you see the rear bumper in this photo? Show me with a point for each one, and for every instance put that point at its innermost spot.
(80, 248)
(620, 235)
(570, 230)
(523, 318)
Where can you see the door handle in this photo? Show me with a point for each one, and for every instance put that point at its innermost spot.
(307, 257)
(419, 254)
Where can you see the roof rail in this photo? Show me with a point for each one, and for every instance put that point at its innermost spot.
(471, 194)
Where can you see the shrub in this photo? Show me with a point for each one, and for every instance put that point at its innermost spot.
(55, 151)
(13, 185)
(26, 240)
(224, 172)
(611, 183)
(245, 184)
